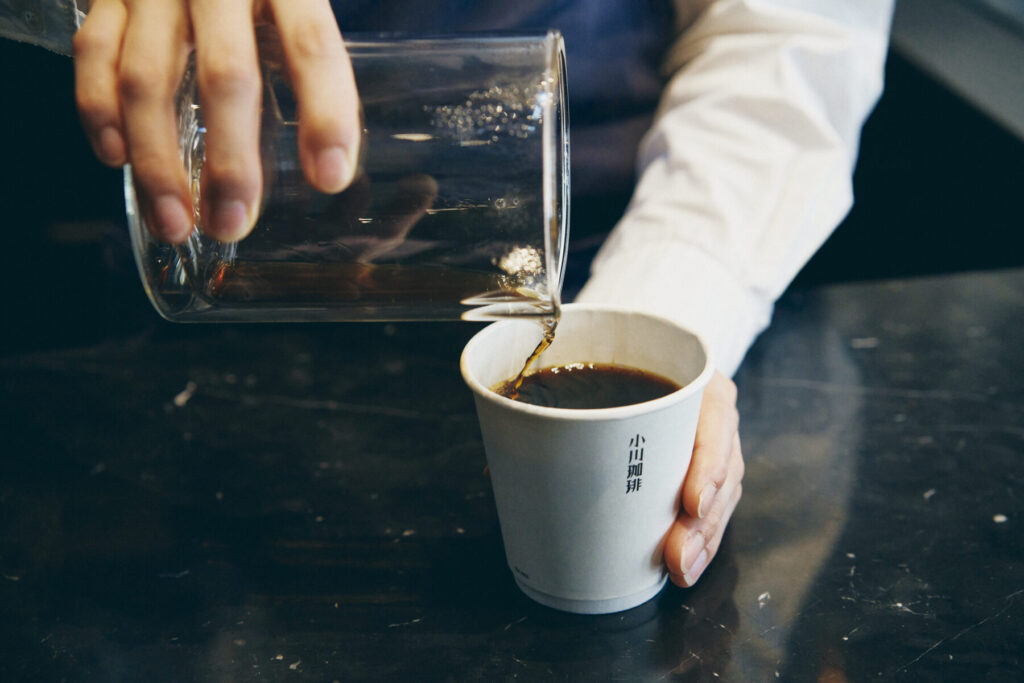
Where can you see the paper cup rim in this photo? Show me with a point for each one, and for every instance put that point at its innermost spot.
(584, 414)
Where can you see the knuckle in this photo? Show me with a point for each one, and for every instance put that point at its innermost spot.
(93, 107)
(220, 173)
(139, 80)
(719, 473)
(229, 78)
(314, 40)
(319, 128)
(88, 41)
(713, 543)
(152, 172)
(230, 176)
(713, 521)
(741, 468)
(149, 165)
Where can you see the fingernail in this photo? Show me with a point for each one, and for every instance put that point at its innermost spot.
(332, 169)
(228, 220)
(707, 497)
(692, 550)
(174, 223)
(110, 146)
(693, 573)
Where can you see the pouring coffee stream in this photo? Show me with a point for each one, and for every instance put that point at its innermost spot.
(511, 389)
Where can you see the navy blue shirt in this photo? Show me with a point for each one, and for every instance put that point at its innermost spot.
(613, 48)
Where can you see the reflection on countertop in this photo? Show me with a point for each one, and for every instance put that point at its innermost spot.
(308, 502)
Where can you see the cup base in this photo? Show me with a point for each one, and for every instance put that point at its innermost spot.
(605, 606)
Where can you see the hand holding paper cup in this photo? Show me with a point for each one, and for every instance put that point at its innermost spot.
(585, 497)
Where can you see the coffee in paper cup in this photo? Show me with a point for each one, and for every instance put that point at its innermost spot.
(586, 497)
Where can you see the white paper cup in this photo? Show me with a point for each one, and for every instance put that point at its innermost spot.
(579, 536)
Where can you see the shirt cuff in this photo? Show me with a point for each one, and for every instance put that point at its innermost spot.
(686, 285)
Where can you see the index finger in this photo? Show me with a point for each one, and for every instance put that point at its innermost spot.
(153, 58)
(97, 49)
(717, 427)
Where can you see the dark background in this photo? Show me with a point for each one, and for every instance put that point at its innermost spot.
(937, 190)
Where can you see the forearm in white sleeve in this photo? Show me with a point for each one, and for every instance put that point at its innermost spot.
(748, 166)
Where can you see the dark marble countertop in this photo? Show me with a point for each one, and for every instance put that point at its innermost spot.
(221, 503)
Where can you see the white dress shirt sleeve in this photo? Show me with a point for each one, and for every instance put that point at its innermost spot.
(748, 166)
